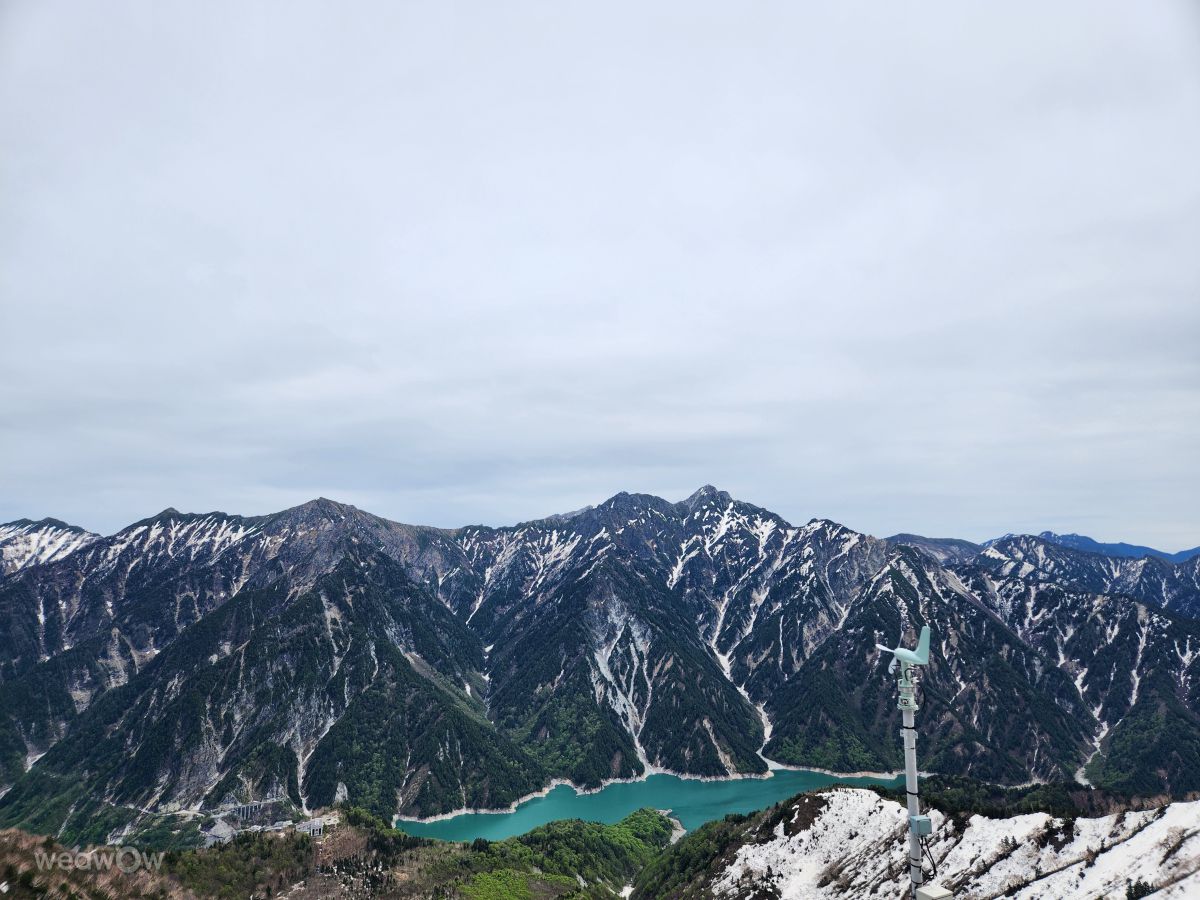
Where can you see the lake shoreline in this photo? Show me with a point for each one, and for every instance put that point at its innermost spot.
(654, 770)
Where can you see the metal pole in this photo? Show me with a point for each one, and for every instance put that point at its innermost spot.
(908, 731)
(906, 663)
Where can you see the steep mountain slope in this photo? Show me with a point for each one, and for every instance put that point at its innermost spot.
(354, 687)
(81, 625)
(27, 543)
(433, 669)
(993, 708)
(84, 624)
(1136, 667)
(848, 843)
(600, 665)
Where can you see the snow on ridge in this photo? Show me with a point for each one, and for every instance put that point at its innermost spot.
(24, 544)
(167, 538)
(855, 847)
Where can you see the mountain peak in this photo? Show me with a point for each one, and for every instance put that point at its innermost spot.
(1056, 537)
(326, 507)
(625, 503)
(47, 522)
(706, 494)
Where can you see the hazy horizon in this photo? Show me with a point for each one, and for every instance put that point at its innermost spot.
(925, 270)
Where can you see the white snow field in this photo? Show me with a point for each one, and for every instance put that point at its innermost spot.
(854, 848)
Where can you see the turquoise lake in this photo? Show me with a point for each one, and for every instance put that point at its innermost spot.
(691, 801)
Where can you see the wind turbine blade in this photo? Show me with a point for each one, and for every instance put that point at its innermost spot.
(885, 649)
(922, 652)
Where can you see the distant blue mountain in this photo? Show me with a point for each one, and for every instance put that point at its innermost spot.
(1087, 544)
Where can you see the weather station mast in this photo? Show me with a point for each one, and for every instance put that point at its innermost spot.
(906, 666)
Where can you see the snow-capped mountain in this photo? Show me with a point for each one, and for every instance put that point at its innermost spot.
(1135, 665)
(330, 653)
(28, 543)
(1173, 586)
(848, 843)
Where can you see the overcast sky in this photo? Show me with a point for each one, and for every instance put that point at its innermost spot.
(930, 267)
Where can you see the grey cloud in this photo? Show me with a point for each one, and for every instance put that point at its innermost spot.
(925, 269)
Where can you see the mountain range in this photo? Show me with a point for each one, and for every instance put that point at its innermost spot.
(325, 654)
(1136, 551)
(957, 549)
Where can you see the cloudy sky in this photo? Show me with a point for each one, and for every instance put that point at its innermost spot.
(929, 268)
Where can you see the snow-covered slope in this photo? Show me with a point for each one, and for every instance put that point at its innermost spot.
(26, 543)
(848, 843)
(1173, 586)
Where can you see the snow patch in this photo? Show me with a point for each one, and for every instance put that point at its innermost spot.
(855, 846)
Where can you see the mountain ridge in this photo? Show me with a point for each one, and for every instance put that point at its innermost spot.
(953, 545)
(1118, 548)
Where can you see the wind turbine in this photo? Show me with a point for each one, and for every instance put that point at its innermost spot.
(918, 657)
(919, 826)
